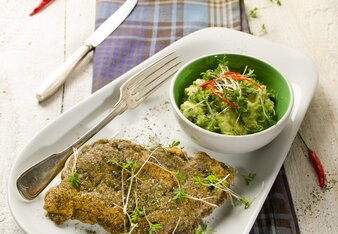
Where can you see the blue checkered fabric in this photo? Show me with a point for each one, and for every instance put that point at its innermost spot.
(152, 26)
(155, 24)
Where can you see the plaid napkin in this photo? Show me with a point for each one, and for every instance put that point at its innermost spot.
(155, 24)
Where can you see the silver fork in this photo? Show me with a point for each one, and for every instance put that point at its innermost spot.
(132, 92)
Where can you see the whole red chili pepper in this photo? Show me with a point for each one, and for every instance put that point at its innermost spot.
(318, 167)
(41, 5)
(316, 164)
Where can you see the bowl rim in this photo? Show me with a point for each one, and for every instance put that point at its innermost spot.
(215, 134)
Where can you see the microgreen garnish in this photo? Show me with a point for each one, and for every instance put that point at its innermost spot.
(130, 169)
(128, 165)
(211, 179)
(263, 28)
(244, 201)
(278, 2)
(180, 176)
(253, 12)
(132, 165)
(174, 143)
(132, 227)
(204, 228)
(113, 161)
(223, 185)
(180, 194)
(74, 177)
(134, 215)
(153, 227)
(178, 221)
(232, 170)
(249, 178)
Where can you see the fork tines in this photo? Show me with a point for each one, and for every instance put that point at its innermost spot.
(146, 81)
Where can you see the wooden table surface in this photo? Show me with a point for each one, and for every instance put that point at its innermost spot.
(31, 47)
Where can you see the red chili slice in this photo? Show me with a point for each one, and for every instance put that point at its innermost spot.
(211, 84)
(227, 102)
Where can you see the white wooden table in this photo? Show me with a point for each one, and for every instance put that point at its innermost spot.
(31, 47)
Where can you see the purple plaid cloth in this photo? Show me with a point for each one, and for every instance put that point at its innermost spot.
(152, 26)
(155, 24)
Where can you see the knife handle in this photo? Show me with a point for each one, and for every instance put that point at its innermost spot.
(59, 76)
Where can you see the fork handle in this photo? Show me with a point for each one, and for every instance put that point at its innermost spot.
(35, 179)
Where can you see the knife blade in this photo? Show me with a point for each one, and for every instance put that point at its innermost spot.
(56, 79)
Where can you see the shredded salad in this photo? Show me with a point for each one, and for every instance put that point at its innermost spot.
(229, 102)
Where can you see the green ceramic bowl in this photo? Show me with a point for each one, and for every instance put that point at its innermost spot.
(266, 74)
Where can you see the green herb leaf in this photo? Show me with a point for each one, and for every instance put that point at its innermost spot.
(245, 202)
(74, 179)
(204, 228)
(232, 170)
(113, 160)
(222, 184)
(130, 165)
(135, 215)
(153, 227)
(174, 143)
(180, 195)
(211, 179)
(198, 180)
(253, 12)
(263, 28)
(180, 176)
(249, 178)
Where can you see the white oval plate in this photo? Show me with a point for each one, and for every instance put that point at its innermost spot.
(153, 122)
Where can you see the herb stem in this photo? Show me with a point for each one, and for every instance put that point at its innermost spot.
(76, 154)
(145, 162)
(122, 192)
(178, 221)
(128, 194)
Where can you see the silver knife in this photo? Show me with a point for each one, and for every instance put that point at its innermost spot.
(59, 76)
